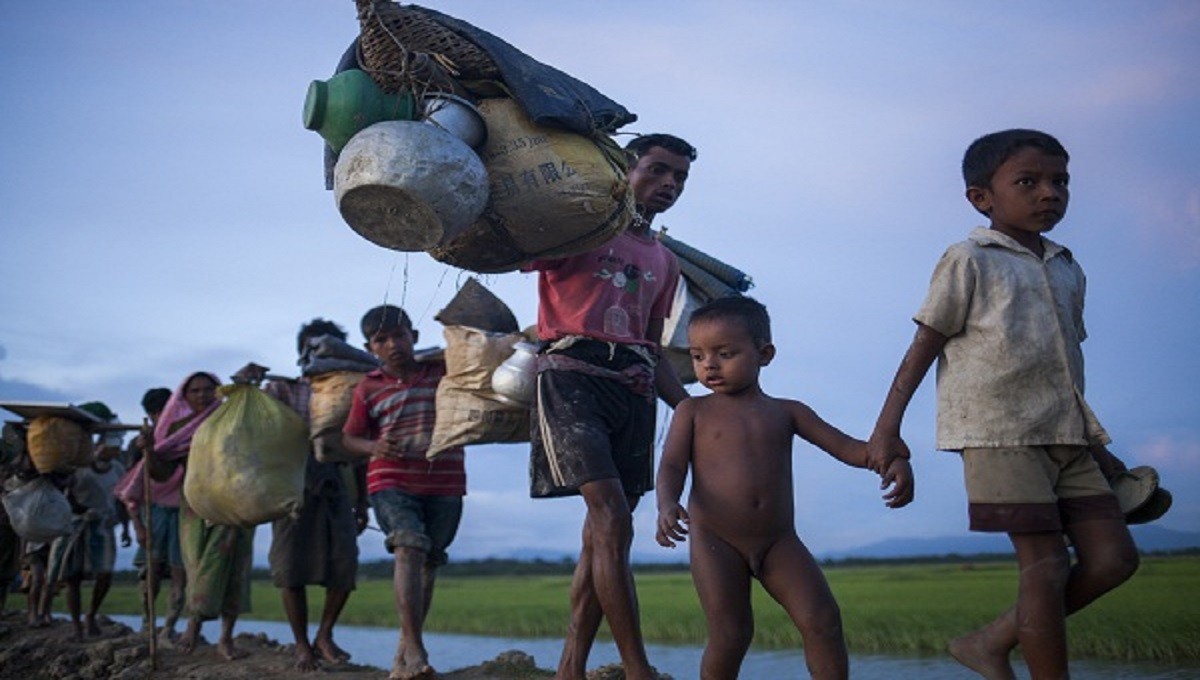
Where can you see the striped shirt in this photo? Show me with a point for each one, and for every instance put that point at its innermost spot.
(384, 403)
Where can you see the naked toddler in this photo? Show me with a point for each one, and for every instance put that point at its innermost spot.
(740, 515)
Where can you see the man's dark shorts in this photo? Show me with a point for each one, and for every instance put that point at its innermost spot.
(585, 428)
(319, 546)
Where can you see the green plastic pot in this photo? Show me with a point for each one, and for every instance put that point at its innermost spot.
(348, 102)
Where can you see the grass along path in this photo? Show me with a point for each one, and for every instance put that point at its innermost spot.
(886, 608)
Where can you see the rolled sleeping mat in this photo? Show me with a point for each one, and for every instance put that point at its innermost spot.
(704, 285)
(727, 274)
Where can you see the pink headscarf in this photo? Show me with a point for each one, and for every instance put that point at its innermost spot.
(174, 445)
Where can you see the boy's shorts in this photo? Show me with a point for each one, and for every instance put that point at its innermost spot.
(585, 428)
(1023, 489)
(164, 538)
(427, 523)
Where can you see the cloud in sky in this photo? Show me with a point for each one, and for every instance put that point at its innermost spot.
(164, 209)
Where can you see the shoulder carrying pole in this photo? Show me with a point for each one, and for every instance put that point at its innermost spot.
(151, 566)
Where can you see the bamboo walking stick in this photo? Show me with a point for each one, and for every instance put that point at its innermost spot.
(151, 567)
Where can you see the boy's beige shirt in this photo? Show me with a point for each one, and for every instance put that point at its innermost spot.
(1011, 373)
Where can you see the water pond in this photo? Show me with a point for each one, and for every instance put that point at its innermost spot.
(375, 646)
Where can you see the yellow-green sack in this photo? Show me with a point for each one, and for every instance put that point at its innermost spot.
(247, 461)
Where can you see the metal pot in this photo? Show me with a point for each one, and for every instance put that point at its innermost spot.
(409, 186)
(457, 116)
(515, 380)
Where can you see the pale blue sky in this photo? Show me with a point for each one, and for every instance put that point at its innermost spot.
(162, 208)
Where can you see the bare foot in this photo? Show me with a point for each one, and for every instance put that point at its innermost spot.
(166, 638)
(411, 664)
(226, 649)
(306, 660)
(972, 651)
(93, 628)
(330, 651)
(423, 673)
(187, 641)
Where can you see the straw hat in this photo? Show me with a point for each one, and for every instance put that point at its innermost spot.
(1139, 495)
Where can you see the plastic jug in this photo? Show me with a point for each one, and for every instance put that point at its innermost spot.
(348, 102)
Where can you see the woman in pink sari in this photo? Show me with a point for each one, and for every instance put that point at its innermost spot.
(217, 558)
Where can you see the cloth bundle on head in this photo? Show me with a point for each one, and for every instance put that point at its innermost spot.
(327, 353)
(171, 442)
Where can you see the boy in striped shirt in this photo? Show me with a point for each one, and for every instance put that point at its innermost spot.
(417, 502)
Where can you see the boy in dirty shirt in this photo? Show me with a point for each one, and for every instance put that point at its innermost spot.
(1004, 319)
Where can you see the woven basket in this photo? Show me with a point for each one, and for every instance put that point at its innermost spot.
(403, 47)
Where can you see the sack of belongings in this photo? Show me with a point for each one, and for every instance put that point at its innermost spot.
(468, 410)
(480, 332)
(38, 510)
(247, 461)
(552, 193)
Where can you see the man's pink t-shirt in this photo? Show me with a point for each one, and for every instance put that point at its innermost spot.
(610, 293)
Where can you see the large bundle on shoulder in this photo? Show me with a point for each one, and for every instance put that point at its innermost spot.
(333, 368)
(247, 460)
(551, 193)
(39, 511)
(465, 147)
(480, 332)
(702, 278)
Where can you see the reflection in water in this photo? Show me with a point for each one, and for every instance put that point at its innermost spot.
(375, 646)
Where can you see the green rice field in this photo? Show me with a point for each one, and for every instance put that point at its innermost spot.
(886, 608)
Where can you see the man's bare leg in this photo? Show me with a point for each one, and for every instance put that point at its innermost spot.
(74, 604)
(585, 618)
(295, 606)
(335, 601)
(609, 525)
(99, 592)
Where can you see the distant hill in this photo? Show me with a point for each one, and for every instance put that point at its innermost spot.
(1149, 538)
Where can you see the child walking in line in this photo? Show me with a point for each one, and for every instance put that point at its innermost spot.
(1004, 318)
(740, 515)
(417, 502)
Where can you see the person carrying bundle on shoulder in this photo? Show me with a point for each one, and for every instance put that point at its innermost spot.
(319, 547)
(600, 315)
(418, 502)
